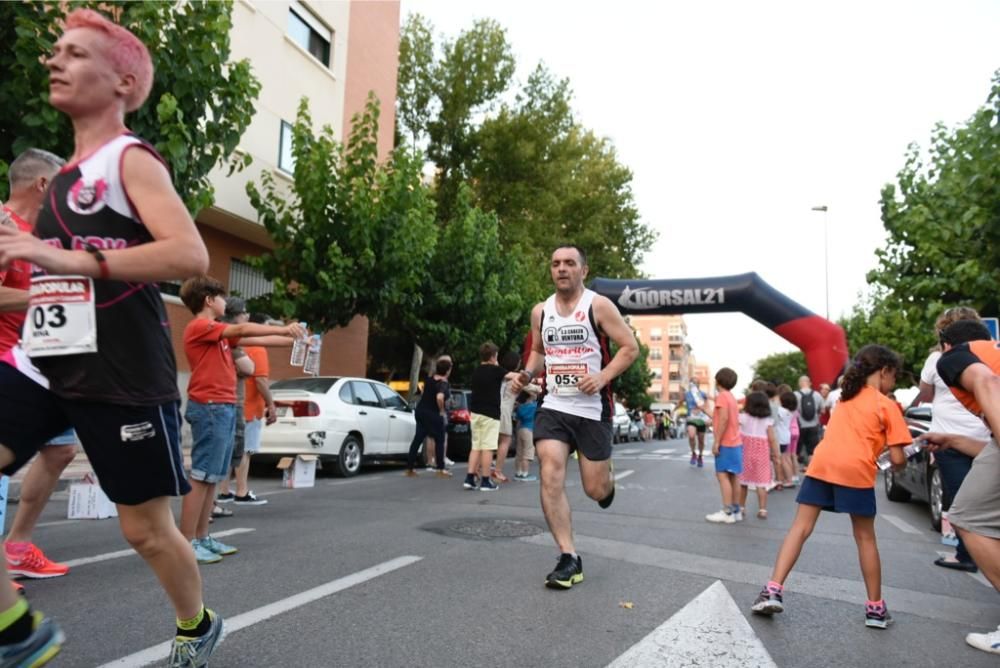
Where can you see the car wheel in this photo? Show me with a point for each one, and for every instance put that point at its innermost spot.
(935, 495)
(349, 459)
(893, 490)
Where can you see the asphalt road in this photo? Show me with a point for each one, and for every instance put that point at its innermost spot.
(381, 570)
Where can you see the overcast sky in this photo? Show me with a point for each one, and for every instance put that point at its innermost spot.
(738, 117)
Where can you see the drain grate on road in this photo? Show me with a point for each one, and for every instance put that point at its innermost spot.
(485, 528)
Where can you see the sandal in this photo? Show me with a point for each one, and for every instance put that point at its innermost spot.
(221, 512)
(762, 514)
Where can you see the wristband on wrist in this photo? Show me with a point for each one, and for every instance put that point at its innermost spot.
(102, 262)
(528, 373)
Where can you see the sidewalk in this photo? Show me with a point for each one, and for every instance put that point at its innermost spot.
(79, 467)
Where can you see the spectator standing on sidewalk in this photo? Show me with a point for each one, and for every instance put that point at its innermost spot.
(430, 416)
(211, 406)
(810, 406)
(484, 405)
(236, 313)
(970, 370)
(727, 448)
(511, 362)
(527, 406)
(258, 410)
(949, 416)
(760, 449)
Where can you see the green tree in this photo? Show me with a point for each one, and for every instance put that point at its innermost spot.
(781, 368)
(632, 387)
(553, 181)
(200, 105)
(353, 236)
(942, 217)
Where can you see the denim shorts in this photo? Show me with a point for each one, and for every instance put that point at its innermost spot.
(252, 434)
(68, 437)
(730, 459)
(212, 430)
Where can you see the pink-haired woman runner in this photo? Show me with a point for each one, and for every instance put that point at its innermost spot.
(111, 226)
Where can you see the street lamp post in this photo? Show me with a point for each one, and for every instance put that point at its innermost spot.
(826, 255)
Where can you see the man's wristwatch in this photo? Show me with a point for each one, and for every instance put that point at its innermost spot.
(529, 374)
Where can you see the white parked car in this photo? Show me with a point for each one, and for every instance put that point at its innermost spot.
(343, 420)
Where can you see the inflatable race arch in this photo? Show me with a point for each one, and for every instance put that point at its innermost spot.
(823, 342)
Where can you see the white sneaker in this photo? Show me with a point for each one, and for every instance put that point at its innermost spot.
(738, 517)
(720, 517)
(448, 463)
(987, 642)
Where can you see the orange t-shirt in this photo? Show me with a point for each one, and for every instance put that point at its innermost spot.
(253, 404)
(859, 430)
(725, 399)
(955, 361)
(213, 374)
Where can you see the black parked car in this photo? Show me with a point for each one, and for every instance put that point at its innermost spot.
(920, 479)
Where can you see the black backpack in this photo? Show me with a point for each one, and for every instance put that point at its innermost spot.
(807, 406)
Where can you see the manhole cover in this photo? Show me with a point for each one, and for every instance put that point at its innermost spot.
(486, 528)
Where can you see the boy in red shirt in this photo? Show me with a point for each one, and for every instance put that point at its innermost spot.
(211, 407)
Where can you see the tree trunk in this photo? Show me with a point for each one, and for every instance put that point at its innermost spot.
(418, 355)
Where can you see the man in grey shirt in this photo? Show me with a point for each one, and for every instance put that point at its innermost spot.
(810, 406)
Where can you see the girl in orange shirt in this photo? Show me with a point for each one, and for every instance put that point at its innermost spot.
(841, 476)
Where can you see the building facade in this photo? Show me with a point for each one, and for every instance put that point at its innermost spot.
(670, 357)
(334, 53)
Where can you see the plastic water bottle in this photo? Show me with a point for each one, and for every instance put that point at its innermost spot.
(311, 366)
(884, 462)
(299, 349)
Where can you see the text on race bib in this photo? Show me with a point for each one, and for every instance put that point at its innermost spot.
(61, 317)
(562, 379)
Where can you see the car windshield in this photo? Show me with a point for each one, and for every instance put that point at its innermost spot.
(316, 385)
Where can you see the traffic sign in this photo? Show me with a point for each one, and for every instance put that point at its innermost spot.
(993, 324)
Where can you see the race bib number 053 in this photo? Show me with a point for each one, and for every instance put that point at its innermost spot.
(61, 318)
(562, 379)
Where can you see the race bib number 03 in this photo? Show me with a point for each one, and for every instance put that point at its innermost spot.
(61, 318)
(562, 379)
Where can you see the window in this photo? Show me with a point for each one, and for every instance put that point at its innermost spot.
(364, 394)
(308, 32)
(656, 334)
(246, 281)
(657, 373)
(656, 354)
(319, 385)
(390, 399)
(286, 159)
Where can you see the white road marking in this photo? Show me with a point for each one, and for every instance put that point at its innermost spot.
(350, 481)
(929, 606)
(709, 630)
(630, 451)
(977, 576)
(623, 474)
(56, 523)
(159, 652)
(271, 493)
(901, 524)
(665, 451)
(107, 556)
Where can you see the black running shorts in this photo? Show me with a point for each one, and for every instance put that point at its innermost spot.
(592, 438)
(134, 450)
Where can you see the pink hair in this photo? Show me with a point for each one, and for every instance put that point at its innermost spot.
(128, 55)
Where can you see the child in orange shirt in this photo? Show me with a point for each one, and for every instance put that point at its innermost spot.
(841, 476)
(727, 448)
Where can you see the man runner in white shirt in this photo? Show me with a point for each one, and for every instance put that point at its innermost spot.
(570, 333)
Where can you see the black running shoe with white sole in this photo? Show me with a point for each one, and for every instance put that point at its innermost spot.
(768, 602)
(568, 572)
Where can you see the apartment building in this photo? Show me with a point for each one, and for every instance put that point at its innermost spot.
(669, 354)
(333, 52)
